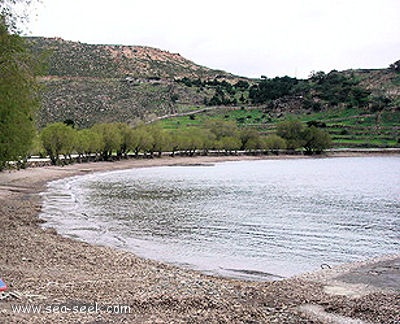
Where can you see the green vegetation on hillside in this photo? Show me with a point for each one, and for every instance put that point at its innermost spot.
(347, 127)
(320, 92)
(346, 104)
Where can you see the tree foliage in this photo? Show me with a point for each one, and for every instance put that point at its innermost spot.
(311, 138)
(87, 142)
(395, 66)
(292, 132)
(18, 93)
(58, 139)
(337, 88)
(111, 138)
(12, 18)
(248, 138)
(274, 143)
(316, 140)
(142, 140)
(222, 128)
(319, 91)
(271, 89)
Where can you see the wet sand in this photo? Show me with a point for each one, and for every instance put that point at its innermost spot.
(66, 277)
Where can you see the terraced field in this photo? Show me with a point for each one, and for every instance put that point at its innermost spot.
(348, 127)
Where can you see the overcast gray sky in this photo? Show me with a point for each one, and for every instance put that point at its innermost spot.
(249, 38)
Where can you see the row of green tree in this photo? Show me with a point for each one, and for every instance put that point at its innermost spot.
(116, 140)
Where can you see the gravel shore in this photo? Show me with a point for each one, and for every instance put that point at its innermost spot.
(74, 282)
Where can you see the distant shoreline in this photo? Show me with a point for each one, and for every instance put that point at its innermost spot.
(345, 152)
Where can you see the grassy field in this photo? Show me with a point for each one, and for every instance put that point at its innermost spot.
(347, 127)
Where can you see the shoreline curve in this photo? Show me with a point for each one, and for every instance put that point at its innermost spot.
(45, 268)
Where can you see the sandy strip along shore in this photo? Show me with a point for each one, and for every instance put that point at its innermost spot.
(74, 282)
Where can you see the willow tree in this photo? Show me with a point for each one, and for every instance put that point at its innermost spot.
(18, 89)
(58, 139)
(292, 132)
(111, 138)
(316, 140)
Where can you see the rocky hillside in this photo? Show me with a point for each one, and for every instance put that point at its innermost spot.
(87, 84)
(75, 59)
(103, 83)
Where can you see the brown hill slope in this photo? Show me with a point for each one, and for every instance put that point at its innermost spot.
(75, 59)
(104, 83)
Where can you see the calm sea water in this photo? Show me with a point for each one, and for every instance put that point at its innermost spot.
(257, 220)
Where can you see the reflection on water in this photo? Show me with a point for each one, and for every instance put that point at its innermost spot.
(257, 220)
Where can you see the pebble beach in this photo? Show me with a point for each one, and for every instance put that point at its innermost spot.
(53, 279)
